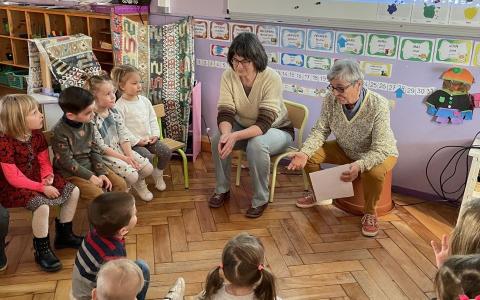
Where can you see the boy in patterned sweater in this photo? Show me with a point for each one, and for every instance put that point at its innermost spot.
(77, 157)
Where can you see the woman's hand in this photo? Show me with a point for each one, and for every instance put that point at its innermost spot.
(51, 192)
(351, 174)
(226, 144)
(298, 161)
(441, 252)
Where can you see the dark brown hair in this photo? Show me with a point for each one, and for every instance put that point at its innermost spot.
(74, 99)
(241, 259)
(459, 275)
(109, 212)
(247, 45)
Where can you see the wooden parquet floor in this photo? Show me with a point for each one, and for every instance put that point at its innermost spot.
(316, 253)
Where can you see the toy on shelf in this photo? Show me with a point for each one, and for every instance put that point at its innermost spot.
(453, 102)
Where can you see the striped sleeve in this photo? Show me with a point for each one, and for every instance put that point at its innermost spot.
(269, 107)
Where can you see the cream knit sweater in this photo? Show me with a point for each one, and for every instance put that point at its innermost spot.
(367, 138)
(263, 107)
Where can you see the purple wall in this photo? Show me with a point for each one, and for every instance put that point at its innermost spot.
(417, 137)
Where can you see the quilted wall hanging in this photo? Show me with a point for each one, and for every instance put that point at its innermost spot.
(70, 60)
(164, 56)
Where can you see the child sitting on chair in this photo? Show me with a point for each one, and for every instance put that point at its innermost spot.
(114, 139)
(140, 119)
(77, 156)
(27, 179)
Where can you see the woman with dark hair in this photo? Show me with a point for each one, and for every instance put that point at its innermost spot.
(252, 117)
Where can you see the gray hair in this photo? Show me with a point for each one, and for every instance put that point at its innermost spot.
(345, 69)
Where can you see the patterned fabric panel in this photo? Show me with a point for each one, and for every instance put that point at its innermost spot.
(70, 60)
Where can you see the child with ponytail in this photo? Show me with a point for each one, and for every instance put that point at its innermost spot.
(243, 267)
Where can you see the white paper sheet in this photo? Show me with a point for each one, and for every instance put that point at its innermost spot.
(327, 184)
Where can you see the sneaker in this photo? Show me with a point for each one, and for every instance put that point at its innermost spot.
(177, 291)
(159, 182)
(142, 190)
(309, 201)
(369, 225)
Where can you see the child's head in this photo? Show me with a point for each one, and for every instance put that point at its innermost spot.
(77, 104)
(458, 276)
(118, 279)
(126, 79)
(19, 115)
(466, 235)
(242, 264)
(113, 214)
(101, 87)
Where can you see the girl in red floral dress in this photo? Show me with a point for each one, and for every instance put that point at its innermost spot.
(27, 178)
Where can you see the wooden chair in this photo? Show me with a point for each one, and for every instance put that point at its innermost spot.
(172, 144)
(298, 115)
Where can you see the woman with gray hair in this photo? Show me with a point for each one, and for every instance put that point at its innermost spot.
(360, 120)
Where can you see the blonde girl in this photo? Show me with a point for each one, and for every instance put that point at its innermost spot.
(140, 119)
(28, 180)
(114, 139)
(243, 267)
(465, 237)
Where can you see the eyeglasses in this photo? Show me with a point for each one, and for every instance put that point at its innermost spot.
(339, 89)
(244, 62)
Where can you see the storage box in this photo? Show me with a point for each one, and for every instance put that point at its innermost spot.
(17, 79)
(120, 9)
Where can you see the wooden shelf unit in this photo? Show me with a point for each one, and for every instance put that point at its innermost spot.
(20, 23)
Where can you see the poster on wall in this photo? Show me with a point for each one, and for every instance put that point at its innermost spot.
(376, 69)
(466, 14)
(239, 28)
(395, 10)
(293, 38)
(293, 60)
(218, 50)
(272, 57)
(416, 49)
(350, 43)
(431, 12)
(219, 30)
(476, 55)
(319, 63)
(382, 45)
(452, 51)
(268, 34)
(320, 40)
(200, 28)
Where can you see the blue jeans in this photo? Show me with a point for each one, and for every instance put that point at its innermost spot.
(259, 149)
(146, 276)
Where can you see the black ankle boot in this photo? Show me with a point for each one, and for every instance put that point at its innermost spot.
(64, 237)
(44, 255)
(3, 256)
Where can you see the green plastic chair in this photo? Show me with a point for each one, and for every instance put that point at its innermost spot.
(172, 144)
(298, 115)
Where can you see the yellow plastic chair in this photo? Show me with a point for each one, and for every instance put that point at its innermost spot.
(298, 115)
(172, 144)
